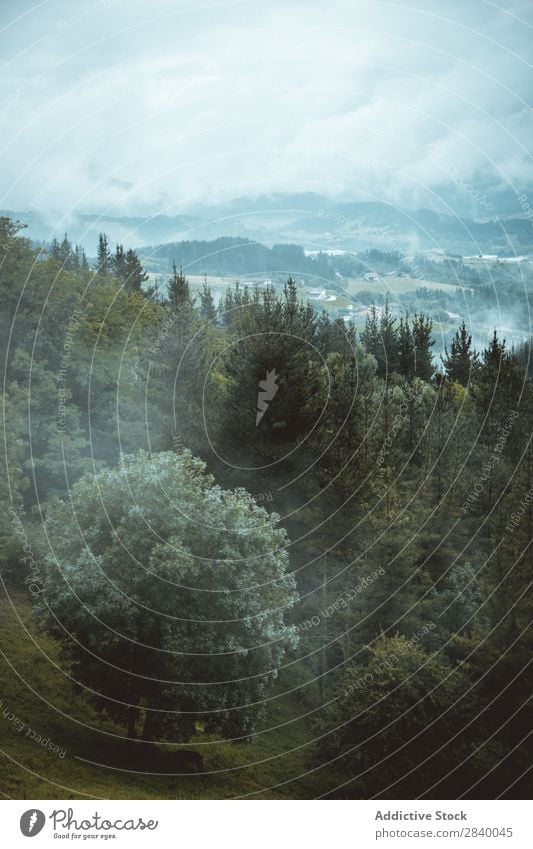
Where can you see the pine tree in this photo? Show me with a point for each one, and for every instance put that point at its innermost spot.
(67, 255)
(422, 342)
(370, 337)
(290, 294)
(81, 260)
(179, 293)
(227, 307)
(499, 386)
(461, 362)
(103, 260)
(63, 253)
(76, 259)
(153, 293)
(134, 273)
(524, 358)
(55, 250)
(498, 376)
(389, 342)
(274, 339)
(118, 264)
(492, 361)
(406, 350)
(208, 309)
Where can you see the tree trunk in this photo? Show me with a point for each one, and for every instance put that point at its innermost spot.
(132, 716)
(148, 727)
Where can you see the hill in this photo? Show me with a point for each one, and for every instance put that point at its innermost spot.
(313, 220)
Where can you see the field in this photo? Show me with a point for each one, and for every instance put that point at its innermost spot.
(81, 756)
(395, 285)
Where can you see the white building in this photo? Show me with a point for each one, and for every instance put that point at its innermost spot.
(317, 294)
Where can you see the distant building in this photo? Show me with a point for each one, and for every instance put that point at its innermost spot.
(371, 276)
(366, 312)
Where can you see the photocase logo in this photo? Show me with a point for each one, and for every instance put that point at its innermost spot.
(32, 822)
(268, 388)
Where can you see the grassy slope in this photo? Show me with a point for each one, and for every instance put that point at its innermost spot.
(394, 285)
(35, 689)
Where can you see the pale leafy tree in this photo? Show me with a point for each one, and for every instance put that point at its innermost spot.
(169, 594)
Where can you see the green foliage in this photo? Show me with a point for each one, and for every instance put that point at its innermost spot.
(461, 362)
(402, 346)
(159, 569)
(394, 717)
(208, 310)
(269, 335)
(407, 496)
(69, 257)
(179, 293)
(104, 259)
(126, 267)
(238, 256)
(48, 424)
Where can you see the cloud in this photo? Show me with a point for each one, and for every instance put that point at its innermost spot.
(138, 108)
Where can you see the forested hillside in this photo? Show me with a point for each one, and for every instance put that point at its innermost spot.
(247, 532)
(237, 256)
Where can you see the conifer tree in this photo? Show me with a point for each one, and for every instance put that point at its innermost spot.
(63, 253)
(461, 362)
(208, 309)
(81, 260)
(55, 250)
(422, 343)
(389, 339)
(134, 273)
(370, 336)
(178, 291)
(118, 264)
(67, 255)
(103, 260)
(406, 350)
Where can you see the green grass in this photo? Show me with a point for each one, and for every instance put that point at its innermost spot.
(35, 689)
(397, 285)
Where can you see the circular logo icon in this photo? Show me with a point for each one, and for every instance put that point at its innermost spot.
(32, 822)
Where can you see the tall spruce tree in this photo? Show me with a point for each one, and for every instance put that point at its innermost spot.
(389, 338)
(103, 258)
(371, 339)
(406, 349)
(461, 362)
(118, 263)
(423, 343)
(178, 292)
(81, 260)
(134, 273)
(208, 309)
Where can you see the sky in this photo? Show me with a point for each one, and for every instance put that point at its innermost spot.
(124, 107)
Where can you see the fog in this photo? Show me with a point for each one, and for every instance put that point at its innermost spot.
(123, 109)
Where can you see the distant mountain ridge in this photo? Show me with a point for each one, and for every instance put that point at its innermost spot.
(311, 220)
